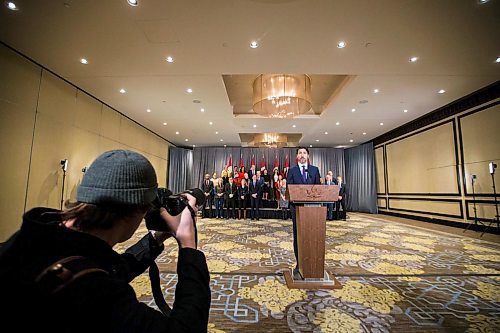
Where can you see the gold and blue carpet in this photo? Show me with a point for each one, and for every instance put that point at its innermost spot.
(395, 278)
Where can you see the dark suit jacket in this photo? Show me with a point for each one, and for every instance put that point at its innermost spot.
(342, 191)
(207, 188)
(255, 189)
(294, 175)
(231, 189)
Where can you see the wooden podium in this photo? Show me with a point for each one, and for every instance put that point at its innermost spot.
(311, 235)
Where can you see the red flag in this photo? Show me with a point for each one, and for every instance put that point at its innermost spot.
(253, 161)
(230, 164)
(241, 160)
(262, 164)
(275, 162)
(286, 161)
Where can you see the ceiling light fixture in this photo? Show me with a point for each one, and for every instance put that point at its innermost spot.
(216, 132)
(189, 90)
(310, 146)
(413, 59)
(442, 91)
(133, 3)
(186, 140)
(281, 95)
(123, 91)
(11, 5)
(254, 44)
(375, 91)
(326, 133)
(221, 140)
(497, 60)
(351, 140)
(254, 125)
(164, 124)
(210, 123)
(381, 124)
(405, 110)
(148, 110)
(364, 133)
(170, 59)
(84, 61)
(341, 44)
(177, 133)
(337, 123)
(353, 110)
(294, 126)
(317, 140)
(202, 110)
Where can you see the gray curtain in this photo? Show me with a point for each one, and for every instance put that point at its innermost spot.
(180, 166)
(212, 159)
(361, 179)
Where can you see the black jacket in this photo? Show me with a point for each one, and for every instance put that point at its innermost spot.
(94, 302)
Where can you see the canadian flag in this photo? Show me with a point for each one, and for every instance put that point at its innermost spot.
(262, 164)
(230, 164)
(241, 160)
(286, 161)
(275, 162)
(253, 161)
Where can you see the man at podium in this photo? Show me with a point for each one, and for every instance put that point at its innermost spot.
(303, 173)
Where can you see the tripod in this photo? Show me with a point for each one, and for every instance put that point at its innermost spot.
(473, 179)
(496, 219)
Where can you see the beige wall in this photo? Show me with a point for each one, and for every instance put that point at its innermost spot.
(429, 171)
(44, 119)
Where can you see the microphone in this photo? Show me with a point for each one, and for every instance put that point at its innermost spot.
(64, 164)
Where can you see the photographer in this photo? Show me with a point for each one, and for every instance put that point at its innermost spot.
(59, 273)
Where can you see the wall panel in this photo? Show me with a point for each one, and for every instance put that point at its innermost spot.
(380, 169)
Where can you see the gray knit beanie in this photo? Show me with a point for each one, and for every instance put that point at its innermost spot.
(119, 177)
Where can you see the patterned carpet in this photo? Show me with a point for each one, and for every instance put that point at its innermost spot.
(395, 278)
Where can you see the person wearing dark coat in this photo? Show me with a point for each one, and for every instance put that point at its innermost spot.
(342, 199)
(302, 173)
(230, 196)
(59, 272)
(255, 191)
(207, 186)
(243, 192)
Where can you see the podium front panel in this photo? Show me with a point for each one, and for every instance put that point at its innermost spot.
(311, 236)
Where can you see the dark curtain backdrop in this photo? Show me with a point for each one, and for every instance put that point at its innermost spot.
(361, 179)
(180, 169)
(213, 159)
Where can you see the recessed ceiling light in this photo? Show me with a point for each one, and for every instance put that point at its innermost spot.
(405, 110)
(351, 140)
(413, 59)
(177, 133)
(186, 140)
(294, 126)
(254, 44)
(148, 110)
(337, 123)
(202, 110)
(364, 133)
(483, 1)
(341, 44)
(210, 123)
(216, 132)
(310, 146)
(317, 140)
(122, 91)
(221, 140)
(326, 133)
(442, 91)
(133, 2)
(375, 91)
(189, 90)
(254, 125)
(84, 61)
(381, 124)
(164, 124)
(194, 146)
(225, 146)
(11, 5)
(169, 59)
(498, 60)
(353, 110)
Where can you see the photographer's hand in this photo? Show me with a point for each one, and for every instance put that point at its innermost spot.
(181, 226)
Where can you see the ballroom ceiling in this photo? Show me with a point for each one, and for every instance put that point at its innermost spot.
(456, 44)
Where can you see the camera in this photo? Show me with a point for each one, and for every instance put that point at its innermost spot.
(173, 203)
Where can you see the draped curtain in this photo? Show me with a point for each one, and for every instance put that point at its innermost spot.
(361, 179)
(180, 169)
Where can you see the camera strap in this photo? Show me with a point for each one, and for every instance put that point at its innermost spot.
(154, 277)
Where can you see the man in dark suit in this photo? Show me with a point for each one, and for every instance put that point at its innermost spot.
(255, 193)
(303, 173)
(230, 194)
(207, 187)
(341, 202)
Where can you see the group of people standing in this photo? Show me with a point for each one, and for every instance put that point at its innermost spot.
(232, 192)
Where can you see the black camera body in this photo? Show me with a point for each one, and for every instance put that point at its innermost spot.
(173, 203)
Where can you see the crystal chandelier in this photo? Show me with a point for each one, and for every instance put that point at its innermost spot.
(282, 95)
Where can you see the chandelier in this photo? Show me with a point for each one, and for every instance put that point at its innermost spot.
(270, 140)
(282, 95)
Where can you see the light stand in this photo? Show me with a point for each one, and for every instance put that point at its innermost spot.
(473, 180)
(492, 167)
(64, 167)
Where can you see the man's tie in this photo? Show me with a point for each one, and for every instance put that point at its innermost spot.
(304, 176)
